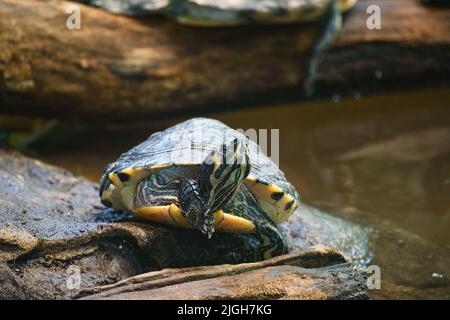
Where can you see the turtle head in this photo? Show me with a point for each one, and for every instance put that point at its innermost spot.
(221, 174)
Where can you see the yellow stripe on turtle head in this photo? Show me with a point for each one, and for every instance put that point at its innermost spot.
(276, 203)
(132, 176)
(124, 183)
(115, 180)
(111, 197)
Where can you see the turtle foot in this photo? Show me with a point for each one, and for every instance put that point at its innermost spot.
(208, 227)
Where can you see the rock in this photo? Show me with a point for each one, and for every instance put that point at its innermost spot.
(49, 221)
(57, 239)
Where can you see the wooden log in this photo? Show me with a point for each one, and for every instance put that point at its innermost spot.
(120, 68)
(280, 282)
(277, 278)
(311, 258)
(411, 50)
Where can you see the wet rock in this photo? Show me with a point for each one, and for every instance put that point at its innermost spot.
(57, 239)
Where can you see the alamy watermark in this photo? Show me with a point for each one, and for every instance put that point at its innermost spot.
(374, 277)
(73, 280)
(374, 20)
(204, 140)
(73, 21)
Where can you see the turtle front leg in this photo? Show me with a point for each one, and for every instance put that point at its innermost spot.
(194, 207)
(272, 240)
(332, 23)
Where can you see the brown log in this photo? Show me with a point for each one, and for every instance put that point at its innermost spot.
(121, 68)
(320, 257)
(260, 282)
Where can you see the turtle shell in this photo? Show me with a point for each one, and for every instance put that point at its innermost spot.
(224, 12)
(186, 145)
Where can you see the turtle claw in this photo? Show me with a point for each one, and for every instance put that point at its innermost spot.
(209, 233)
(208, 227)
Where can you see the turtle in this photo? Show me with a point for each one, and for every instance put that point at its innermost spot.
(201, 174)
(229, 13)
(214, 13)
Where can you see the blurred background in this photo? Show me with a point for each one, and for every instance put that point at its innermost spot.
(371, 144)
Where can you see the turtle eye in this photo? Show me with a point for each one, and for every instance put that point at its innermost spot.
(124, 177)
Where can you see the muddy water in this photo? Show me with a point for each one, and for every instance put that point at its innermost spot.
(387, 156)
